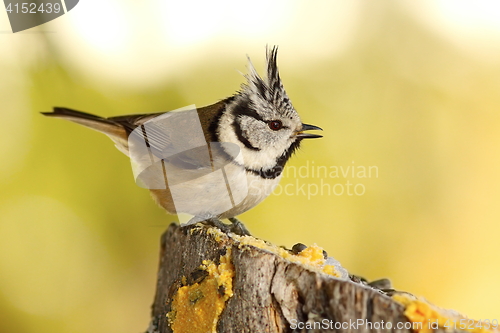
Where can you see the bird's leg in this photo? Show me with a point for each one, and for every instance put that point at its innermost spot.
(215, 222)
(238, 227)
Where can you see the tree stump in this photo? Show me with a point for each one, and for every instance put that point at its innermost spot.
(209, 281)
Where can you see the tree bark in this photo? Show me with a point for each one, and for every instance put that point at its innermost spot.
(269, 292)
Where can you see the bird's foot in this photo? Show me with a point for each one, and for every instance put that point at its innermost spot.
(238, 227)
(215, 222)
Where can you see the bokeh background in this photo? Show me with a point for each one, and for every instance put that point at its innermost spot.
(411, 88)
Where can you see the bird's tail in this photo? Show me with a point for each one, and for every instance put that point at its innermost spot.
(112, 129)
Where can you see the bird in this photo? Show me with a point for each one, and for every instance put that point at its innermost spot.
(213, 162)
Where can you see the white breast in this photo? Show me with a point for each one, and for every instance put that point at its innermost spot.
(204, 192)
(258, 189)
(223, 193)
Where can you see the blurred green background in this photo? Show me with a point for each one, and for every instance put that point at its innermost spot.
(411, 88)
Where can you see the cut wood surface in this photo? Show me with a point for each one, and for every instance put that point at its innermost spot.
(209, 281)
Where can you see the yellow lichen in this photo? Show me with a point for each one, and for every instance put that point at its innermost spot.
(330, 270)
(196, 308)
(428, 317)
(217, 234)
(311, 257)
(249, 240)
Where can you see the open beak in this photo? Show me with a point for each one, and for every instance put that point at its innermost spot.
(306, 127)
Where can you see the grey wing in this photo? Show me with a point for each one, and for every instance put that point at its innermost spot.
(176, 139)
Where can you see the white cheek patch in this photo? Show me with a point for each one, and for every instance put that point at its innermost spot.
(253, 159)
(254, 131)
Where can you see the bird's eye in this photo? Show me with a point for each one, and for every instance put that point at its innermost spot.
(275, 125)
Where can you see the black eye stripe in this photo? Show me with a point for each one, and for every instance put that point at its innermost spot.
(243, 109)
